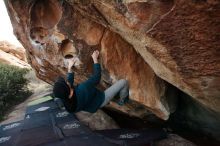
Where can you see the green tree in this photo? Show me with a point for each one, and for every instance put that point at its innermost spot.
(13, 86)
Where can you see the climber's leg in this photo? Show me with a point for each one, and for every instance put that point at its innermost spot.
(120, 87)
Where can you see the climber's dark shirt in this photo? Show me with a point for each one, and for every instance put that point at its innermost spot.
(87, 96)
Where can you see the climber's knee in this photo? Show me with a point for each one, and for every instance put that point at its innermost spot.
(124, 82)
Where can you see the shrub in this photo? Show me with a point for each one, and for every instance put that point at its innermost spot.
(13, 86)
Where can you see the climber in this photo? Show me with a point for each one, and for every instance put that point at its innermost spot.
(85, 96)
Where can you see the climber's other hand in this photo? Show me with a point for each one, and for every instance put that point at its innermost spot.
(95, 56)
(71, 62)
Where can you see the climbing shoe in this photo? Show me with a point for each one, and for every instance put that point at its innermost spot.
(123, 101)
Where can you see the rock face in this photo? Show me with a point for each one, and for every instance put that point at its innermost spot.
(97, 121)
(152, 43)
(174, 140)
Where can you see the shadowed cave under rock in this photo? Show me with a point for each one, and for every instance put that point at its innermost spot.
(167, 50)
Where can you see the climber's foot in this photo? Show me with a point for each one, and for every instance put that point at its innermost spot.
(121, 102)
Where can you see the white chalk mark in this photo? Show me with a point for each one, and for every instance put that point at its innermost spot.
(4, 139)
(71, 126)
(11, 126)
(42, 109)
(62, 114)
(129, 135)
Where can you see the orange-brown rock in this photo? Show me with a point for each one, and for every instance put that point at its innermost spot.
(122, 61)
(44, 16)
(181, 48)
(152, 43)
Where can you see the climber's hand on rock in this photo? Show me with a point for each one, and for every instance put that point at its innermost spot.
(95, 56)
(71, 63)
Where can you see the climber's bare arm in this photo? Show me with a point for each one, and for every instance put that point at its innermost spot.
(70, 73)
(94, 79)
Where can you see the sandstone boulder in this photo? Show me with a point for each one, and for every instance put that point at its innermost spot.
(18, 52)
(13, 55)
(161, 47)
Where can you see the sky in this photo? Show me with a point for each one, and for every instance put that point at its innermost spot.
(6, 30)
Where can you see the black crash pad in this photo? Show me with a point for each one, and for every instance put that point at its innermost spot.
(8, 139)
(74, 128)
(37, 119)
(11, 127)
(37, 136)
(133, 137)
(9, 133)
(48, 125)
(91, 140)
(41, 107)
(62, 116)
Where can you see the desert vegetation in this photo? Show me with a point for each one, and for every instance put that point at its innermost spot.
(13, 87)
